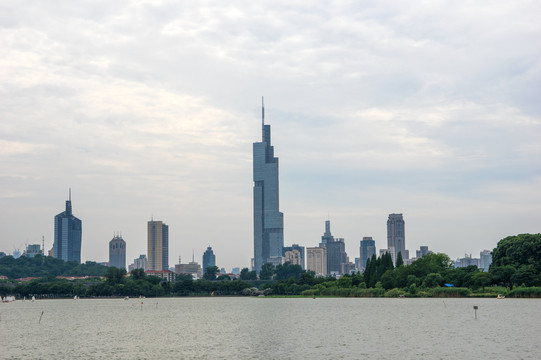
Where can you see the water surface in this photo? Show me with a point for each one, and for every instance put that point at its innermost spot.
(271, 328)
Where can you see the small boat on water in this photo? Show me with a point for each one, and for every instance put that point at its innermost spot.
(500, 296)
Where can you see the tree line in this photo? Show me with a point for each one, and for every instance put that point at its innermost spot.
(516, 269)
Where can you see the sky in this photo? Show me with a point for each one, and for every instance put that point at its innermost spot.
(148, 109)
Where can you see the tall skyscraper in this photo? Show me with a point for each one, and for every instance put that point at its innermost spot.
(396, 238)
(117, 252)
(158, 246)
(209, 259)
(367, 249)
(268, 220)
(67, 235)
(336, 250)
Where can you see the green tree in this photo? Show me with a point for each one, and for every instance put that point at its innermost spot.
(137, 274)
(114, 275)
(267, 271)
(433, 280)
(210, 272)
(399, 260)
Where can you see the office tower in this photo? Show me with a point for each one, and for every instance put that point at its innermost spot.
(32, 250)
(209, 259)
(268, 220)
(423, 250)
(485, 259)
(327, 236)
(396, 238)
(300, 250)
(316, 260)
(117, 252)
(67, 235)
(336, 250)
(139, 263)
(158, 246)
(367, 250)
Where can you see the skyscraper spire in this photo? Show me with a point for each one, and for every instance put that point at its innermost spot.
(70, 194)
(262, 119)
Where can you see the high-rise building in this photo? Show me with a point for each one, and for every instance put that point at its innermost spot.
(209, 259)
(298, 248)
(32, 250)
(139, 263)
(316, 260)
(268, 220)
(485, 259)
(423, 250)
(336, 250)
(367, 250)
(117, 252)
(67, 235)
(396, 238)
(158, 246)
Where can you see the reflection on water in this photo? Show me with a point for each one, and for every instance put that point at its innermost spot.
(261, 328)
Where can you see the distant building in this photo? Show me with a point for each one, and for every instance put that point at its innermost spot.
(367, 250)
(268, 220)
(293, 257)
(16, 254)
(347, 268)
(67, 235)
(191, 268)
(166, 275)
(139, 263)
(396, 238)
(157, 245)
(423, 250)
(235, 271)
(298, 248)
(117, 252)
(32, 250)
(336, 250)
(2, 254)
(209, 259)
(467, 260)
(316, 260)
(485, 260)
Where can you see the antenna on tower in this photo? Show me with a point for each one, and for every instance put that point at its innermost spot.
(262, 111)
(70, 194)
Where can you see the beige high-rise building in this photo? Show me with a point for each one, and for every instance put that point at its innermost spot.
(158, 246)
(316, 260)
(293, 257)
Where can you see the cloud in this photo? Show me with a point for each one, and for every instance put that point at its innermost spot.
(150, 107)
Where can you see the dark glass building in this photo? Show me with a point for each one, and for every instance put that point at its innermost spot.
(67, 235)
(268, 220)
(367, 249)
(209, 259)
(336, 250)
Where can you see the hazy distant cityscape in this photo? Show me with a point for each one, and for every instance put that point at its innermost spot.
(329, 257)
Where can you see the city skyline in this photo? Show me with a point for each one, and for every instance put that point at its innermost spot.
(427, 110)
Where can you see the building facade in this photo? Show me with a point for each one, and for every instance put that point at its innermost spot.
(300, 250)
(396, 238)
(117, 252)
(316, 260)
(268, 220)
(336, 251)
(32, 250)
(67, 235)
(485, 260)
(367, 250)
(209, 259)
(157, 245)
(191, 268)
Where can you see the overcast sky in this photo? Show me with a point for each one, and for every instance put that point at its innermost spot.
(150, 108)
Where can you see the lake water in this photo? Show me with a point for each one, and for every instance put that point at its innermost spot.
(271, 328)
